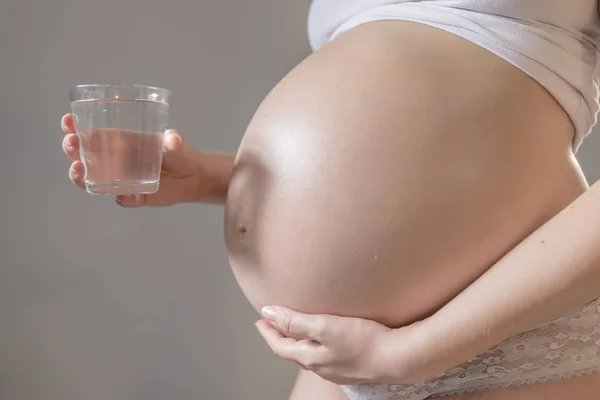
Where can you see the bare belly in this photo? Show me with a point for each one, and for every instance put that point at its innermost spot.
(389, 170)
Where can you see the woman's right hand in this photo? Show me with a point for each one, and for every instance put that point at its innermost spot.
(186, 176)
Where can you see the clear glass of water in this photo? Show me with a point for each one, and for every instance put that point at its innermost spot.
(121, 132)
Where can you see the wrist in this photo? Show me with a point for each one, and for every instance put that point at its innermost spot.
(403, 355)
(211, 178)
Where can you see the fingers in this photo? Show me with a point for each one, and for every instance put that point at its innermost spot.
(77, 174)
(70, 143)
(175, 161)
(132, 200)
(306, 353)
(70, 146)
(176, 157)
(173, 140)
(67, 123)
(298, 325)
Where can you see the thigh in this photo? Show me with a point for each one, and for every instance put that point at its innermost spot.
(309, 386)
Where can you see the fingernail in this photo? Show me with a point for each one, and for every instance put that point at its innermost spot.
(177, 136)
(269, 312)
(172, 132)
(71, 141)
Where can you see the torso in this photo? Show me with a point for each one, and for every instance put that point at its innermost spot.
(389, 170)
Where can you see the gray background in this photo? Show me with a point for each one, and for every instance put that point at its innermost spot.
(101, 303)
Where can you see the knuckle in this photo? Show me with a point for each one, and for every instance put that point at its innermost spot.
(286, 323)
(66, 121)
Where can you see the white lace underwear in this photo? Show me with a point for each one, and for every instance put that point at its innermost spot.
(562, 349)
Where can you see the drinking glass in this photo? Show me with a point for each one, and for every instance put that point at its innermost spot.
(121, 132)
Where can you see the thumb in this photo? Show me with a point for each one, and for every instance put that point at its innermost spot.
(176, 154)
(298, 325)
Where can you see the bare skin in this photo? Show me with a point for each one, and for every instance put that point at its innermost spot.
(367, 176)
(347, 198)
(585, 387)
(310, 386)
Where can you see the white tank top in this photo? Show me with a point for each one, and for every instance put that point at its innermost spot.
(555, 42)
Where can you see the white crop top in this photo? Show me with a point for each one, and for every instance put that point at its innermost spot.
(554, 41)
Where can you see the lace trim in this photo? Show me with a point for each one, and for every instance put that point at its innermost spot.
(521, 382)
(564, 348)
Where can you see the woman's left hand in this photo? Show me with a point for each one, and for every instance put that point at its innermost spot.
(342, 350)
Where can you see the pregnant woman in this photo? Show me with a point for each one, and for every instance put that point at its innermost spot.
(408, 174)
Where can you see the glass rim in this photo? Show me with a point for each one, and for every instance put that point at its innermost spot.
(101, 85)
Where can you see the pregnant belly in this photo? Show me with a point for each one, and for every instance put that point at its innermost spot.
(389, 170)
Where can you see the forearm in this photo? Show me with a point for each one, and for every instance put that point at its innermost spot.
(553, 272)
(213, 176)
